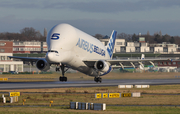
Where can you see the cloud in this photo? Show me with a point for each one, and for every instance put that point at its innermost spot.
(102, 6)
(92, 16)
(18, 5)
(92, 26)
(113, 6)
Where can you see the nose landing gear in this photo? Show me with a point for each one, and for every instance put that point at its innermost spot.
(62, 78)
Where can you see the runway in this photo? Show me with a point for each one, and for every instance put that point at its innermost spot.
(89, 83)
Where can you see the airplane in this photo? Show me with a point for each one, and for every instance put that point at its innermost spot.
(70, 47)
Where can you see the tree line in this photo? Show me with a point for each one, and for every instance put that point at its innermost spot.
(29, 34)
(26, 34)
(156, 38)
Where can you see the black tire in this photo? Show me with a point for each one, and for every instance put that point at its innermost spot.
(100, 80)
(65, 79)
(60, 78)
(96, 79)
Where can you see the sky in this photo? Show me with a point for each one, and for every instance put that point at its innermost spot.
(93, 16)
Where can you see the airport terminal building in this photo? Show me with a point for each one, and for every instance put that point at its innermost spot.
(6, 64)
(29, 47)
(121, 46)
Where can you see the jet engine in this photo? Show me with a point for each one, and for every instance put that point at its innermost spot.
(102, 65)
(42, 64)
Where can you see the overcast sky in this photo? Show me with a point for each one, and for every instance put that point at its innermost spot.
(93, 16)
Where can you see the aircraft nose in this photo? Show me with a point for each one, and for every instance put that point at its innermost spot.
(49, 56)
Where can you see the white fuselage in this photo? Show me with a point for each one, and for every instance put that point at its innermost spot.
(70, 46)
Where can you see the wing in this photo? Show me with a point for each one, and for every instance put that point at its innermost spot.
(91, 63)
(114, 62)
(30, 59)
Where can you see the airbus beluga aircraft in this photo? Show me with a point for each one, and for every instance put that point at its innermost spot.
(73, 48)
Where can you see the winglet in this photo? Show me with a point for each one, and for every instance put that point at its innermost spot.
(110, 45)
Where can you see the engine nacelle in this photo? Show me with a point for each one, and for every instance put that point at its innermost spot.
(102, 66)
(42, 64)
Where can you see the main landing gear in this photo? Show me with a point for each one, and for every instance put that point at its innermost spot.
(97, 79)
(63, 78)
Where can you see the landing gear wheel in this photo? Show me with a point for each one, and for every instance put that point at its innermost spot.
(63, 79)
(95, 79)
(98, 79)
(57, 69)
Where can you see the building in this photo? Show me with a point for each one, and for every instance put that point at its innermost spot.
(121, 46)
(29, 47)
(117, 46)
(164, 48)
(6, 64)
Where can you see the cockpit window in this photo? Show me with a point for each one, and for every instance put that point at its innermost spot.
(52, 51)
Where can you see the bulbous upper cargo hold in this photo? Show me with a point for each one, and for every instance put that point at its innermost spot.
(61, 35)
(80, 44)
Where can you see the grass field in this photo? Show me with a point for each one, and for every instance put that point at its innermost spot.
(110, 110)
(63, 96)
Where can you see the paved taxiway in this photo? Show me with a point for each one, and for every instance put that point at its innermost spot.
(55, 84)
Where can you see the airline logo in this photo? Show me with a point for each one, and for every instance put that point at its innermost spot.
(90, 47)
(110, 45)
(55, 36)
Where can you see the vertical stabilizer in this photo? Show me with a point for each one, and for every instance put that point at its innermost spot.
(141, 66)
(142, 56)
(110, 45)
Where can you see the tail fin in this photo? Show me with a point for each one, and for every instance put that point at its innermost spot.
(110, 45)
(142, 56)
